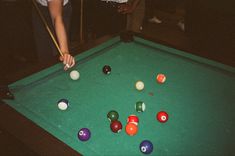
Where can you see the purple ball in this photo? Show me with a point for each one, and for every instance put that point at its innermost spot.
(84, 134)
(146, 147)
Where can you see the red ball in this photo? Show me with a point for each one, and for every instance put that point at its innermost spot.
(116, 126)
(162, 117)
(133, 119)
(161, 78)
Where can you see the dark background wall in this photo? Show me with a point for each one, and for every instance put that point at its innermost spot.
(209, 24)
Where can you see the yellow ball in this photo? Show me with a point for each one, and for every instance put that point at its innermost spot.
(139, 85)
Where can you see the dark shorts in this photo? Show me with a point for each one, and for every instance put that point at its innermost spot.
(106, 18)
(46, 49)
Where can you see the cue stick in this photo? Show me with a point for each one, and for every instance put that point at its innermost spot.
(81, 22)
(47, 27)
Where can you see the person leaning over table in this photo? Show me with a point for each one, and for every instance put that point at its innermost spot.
(57, 14)
(105, 18)
(135, 10)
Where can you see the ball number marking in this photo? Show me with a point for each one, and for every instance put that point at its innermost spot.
(143, 149)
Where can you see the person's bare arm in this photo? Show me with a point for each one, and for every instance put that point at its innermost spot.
(56, 11)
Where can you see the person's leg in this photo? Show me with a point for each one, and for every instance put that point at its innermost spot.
(135, 19)
(99, 18)
(129, 22)
(43, 42)
(149, 11)
(117, 20)
(107, 20)
(88, 18)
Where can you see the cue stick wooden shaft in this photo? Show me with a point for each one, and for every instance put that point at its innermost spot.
(47, 27)
(81, 22)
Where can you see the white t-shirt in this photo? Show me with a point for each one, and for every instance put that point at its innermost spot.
(44, 2)
(117, 1)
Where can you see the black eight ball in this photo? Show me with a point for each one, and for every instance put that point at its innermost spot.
(107, 69)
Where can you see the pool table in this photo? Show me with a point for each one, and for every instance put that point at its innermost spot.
(198, 95)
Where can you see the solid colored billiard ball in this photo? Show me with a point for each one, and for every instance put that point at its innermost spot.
(133, 119)
(139, 85)
(112, 115)
(161, 78)
(116, 126)
(162, 116)
(84, 134)
(140, 106)
(146, 147)
(63, 104)
(74, 75)
(131, 129)
(106, 69)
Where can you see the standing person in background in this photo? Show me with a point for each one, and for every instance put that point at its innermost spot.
(106, 19)
(57, 14)
(135, 10)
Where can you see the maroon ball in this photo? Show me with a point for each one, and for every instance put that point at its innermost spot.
(116, 126)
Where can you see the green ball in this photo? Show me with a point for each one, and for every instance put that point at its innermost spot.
(140, 106)
(112, 115)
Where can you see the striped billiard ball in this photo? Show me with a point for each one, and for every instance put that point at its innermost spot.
(161, 78)
(133, 119)
(140, 106)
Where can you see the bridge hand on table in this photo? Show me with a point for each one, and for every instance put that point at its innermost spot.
(68, 60)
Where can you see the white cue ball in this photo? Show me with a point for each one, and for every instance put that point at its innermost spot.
(139, 85)
(63, 104)
(74, 75)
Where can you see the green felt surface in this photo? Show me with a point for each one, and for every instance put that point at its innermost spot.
(198, 96)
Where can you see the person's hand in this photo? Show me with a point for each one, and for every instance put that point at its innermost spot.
(68, 61)
(125, 8)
